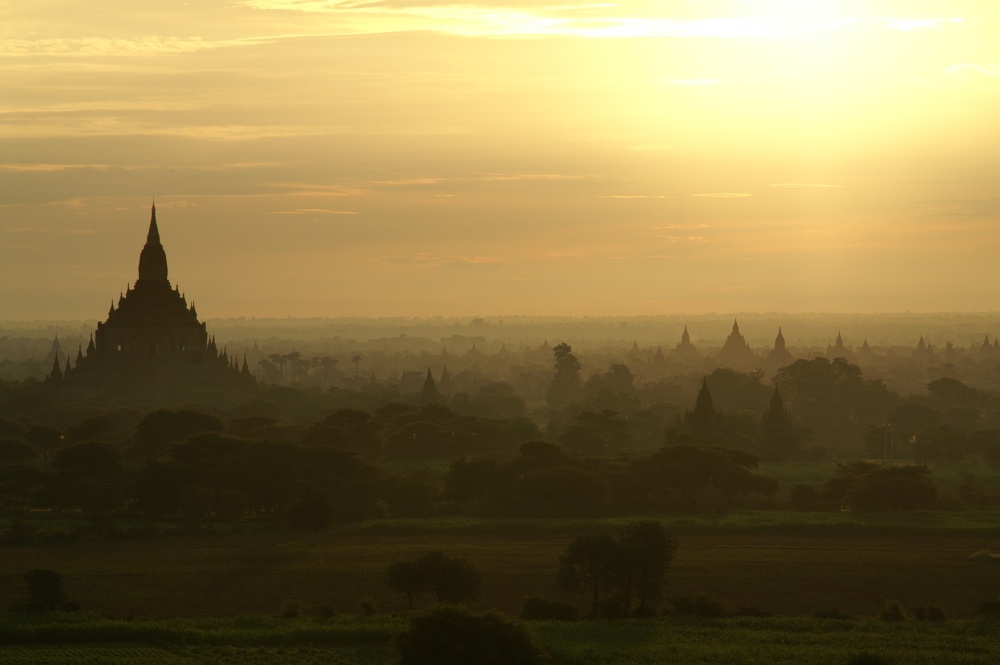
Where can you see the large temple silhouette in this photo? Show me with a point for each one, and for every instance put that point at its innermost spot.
(152, 339)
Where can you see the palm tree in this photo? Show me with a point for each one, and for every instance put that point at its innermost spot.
(357, 363)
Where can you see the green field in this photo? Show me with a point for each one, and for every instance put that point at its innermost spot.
(367, 641)
(786, 564)
(219, 596)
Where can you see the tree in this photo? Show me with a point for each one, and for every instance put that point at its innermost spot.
(410, 578)
(613, 390)
(13, 451)
(309, 509)
(645, 550)
(97, 428)
(91, 459)
(45, 591)
(674, 476)
(591, 433)
(159, 428)
(566, 386)
(588, 562)
(562, 491)
(633, 566)
(833, 399)
(779, 436)
(450, 636)
(869, 486)
(452, 580)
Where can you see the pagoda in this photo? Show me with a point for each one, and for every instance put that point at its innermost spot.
(736, 351)
(153, 338)
(779, 355)
(685, 350)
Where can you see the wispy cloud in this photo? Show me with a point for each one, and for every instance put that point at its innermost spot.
(691, 83)
(970, 69)
(804, 185)
(432, 260)
(99, 46)
(51, 168)
(723, 195)
(33, 229)
(679, 227)
(315, 211)
(315, 189)
(593, 20)
(632, 196)
(727, 289)
(674, 239)
(913, 24)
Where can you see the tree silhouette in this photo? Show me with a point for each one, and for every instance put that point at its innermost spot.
(589, 562)
(453, 580)
(566, 386)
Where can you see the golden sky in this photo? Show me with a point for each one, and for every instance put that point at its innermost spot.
(425, 157)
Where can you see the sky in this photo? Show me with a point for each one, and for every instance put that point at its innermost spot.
(425, 157)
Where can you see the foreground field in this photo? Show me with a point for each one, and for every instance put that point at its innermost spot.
(367, 641)
(760, 561)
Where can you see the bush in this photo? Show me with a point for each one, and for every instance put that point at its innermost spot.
(928, 614)
(990, 607)
(537, 608)
(450, 636)
(700, 605)
(893, 611)
(452, 580)
(806, 498)
(833, 613)
(45, 593)
(985, 556)
(867, 659)
(18, 533)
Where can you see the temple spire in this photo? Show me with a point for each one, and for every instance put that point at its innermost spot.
(153, 237)
(153, 260)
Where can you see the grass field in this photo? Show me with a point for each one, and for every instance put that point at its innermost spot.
(367, 641)
(766, 561)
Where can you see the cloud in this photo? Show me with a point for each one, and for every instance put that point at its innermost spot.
(674, 239)
(314, 211)
(969, 69)
(33, 229)
(631, 196)
(508, 177)
(313, 189)
(919, 24)
(100, 46)
(804, 185)
(610, 20)
(51, 168)
(727, 289)
(676, 227)
(691, 83)
(723, 195)
(432, 260)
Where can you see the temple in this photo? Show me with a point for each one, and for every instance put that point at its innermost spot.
(736, 351)
(685, 350)
(779, 355)
(152, 338)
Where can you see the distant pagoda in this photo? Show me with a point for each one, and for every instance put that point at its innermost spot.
(152, 339)
(779, 356)
(736, 351)
(685, 350)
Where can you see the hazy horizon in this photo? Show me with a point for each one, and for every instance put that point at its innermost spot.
(421, 158)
